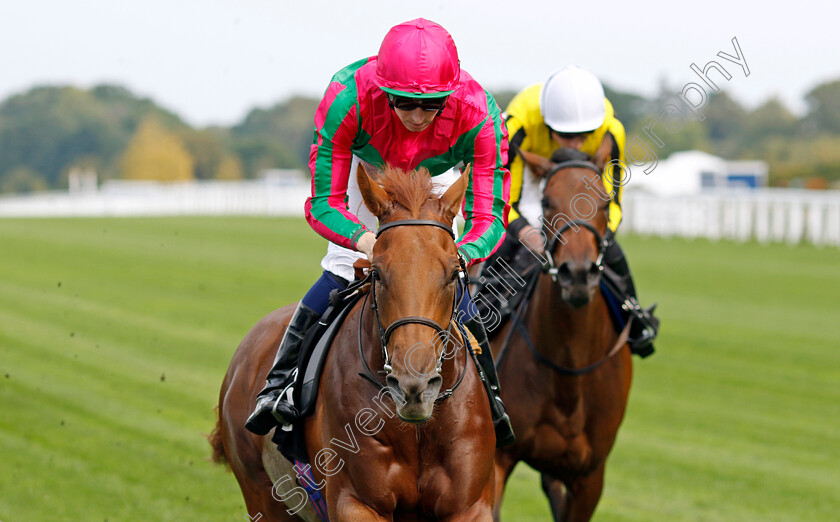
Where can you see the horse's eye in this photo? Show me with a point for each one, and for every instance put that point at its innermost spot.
(453, 277)
(546, 202)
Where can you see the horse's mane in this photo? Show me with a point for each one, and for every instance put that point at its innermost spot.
(408, 189)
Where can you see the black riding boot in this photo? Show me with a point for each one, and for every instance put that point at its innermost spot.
(487, 372)
(274, 403)
(644, 325)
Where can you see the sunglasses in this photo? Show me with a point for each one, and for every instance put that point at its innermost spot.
(572, 135)
(409, 104)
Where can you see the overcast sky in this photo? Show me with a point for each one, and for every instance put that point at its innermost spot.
(211, 61)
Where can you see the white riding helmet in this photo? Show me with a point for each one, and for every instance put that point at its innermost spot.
(572, 100)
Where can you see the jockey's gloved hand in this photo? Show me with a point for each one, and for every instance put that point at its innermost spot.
(531, 238)
(365, 244)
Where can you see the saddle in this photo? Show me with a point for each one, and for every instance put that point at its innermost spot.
(313, 354)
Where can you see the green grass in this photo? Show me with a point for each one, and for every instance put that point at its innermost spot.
(115, 335)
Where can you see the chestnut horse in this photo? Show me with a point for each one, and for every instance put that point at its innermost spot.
(565, 373)
(379, 451)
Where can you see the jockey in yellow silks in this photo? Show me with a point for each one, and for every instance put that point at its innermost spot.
(528, 131)
(568, 110)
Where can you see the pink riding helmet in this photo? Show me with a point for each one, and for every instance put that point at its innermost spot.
(418, 59)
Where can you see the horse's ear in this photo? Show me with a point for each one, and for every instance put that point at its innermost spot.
(536, 163)
(602, 155)
(374, 196)
(451, 200)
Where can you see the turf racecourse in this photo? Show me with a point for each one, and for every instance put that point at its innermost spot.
(115, 335)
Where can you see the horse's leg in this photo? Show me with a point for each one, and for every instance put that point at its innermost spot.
(557, 498)
(262, 496)
(242, 451)
(504, 465)
(255, 484)
(351, 508)
(583, 495)
(263, 506)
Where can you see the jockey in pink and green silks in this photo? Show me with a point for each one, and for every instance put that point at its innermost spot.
(356, 118)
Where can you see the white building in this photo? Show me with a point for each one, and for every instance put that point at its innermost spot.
(693, 172)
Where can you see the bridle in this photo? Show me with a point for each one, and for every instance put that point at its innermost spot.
(603, 242)
(385, 332)
(550, 268)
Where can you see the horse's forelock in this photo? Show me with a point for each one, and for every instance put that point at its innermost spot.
(411, 190)
(569, 184)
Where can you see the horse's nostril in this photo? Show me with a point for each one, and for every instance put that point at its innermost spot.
(565, 273)
(432, 387)
(394, 389)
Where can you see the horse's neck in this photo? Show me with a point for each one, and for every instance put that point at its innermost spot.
(568, 336)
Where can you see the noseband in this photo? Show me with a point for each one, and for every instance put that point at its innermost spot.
(603, 242)
(385, 332)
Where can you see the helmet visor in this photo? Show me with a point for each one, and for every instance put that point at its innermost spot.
(406, 94)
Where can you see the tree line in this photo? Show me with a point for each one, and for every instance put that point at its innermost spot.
(48, 131)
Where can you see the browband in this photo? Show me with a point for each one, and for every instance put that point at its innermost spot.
(569, 164)
(415, 222)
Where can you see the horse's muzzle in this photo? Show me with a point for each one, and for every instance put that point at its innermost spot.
(414, 396)
(578, 282)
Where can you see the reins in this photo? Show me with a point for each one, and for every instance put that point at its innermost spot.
(563, 370)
